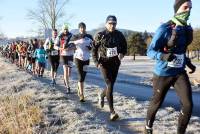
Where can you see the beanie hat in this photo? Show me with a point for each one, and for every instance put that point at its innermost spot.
(111, 18)
(65, 27)
(178, 3)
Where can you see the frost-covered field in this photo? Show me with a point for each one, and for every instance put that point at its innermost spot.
(65, 114)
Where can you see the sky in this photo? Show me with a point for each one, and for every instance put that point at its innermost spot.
(137, 15)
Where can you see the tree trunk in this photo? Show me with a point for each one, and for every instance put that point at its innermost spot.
(134, 56)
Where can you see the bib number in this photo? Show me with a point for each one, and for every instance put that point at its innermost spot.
(41, 55)
(177, 62)
(54, 52)
(111, 52)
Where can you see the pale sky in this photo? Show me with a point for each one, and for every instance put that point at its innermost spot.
(137, 15)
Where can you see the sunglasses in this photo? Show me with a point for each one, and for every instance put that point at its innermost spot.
(112, 23)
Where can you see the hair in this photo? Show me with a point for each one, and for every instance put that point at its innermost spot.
(35, 40)
(81, 24)
(55, 30)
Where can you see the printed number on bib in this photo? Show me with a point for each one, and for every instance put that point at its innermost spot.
(41, 55)
(111, 52)
(54, 52)
(177, 62)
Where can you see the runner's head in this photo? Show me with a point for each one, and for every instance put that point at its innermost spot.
(41, 44)
(111, 22)
(65, 28)
(54, 33)
(82, 28)
(35, 42)
(182, 6)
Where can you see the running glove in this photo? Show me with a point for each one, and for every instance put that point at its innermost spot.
(191, 67)
(168, 57)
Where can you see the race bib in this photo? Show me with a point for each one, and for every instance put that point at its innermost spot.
(54, 52)
(111, 52)
(41, 55)
(32, 55)
(177, 62)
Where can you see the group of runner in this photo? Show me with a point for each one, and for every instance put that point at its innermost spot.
(23, 54)
(168, 48)
(107, 50)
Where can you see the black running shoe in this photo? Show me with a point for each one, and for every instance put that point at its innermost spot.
(68, 90)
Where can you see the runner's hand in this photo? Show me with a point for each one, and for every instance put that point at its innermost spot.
(120, 56)
(192, 68)
(99, 66)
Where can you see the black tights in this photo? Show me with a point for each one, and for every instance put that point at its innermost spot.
(182, 87)
(82, 69)
(109, 71)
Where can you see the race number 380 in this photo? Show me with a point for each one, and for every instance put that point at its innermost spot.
(177, 62)
(111, 52)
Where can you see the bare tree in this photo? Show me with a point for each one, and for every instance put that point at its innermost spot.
(48, 13)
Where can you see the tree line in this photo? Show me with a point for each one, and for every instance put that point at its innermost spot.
(138, 43)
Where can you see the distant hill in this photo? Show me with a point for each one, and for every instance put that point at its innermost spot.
(126, 32)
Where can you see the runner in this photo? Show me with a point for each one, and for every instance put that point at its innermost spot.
(83, 42)
(40, 56)
(30, 55)
(31, 49)
(19, 54)
(168, 48)
(109, 49)
(23, 51)
(53, 55)
(66, 53)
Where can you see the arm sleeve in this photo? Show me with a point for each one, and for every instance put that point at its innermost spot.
(46, 44)
(95, 47)
(123, 45)
(157, 43)
(57, 43)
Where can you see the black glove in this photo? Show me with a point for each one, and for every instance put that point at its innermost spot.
(168, 57)
(191, 67)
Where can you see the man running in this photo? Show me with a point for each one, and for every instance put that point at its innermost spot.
(109, 49)
(53, 55)
(168, 48)
(66, 53)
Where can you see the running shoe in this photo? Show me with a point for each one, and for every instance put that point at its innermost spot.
(114, 116)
